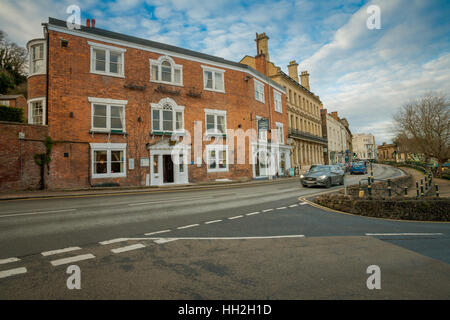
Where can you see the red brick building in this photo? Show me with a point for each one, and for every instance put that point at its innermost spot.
(15, 100)
(129, 111)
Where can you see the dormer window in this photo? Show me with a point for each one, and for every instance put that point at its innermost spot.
(165, 70)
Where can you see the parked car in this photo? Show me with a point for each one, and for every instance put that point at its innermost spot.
(358, 167)
(322, 175)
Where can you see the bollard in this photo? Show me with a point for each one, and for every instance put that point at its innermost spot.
(389, 188)
(406, 192)
(426, 183)
(369, 190)
(417, 189)
(421, 191)
(437, 190)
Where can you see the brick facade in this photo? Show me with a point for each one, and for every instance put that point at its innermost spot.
(18, 170)
(71, 83)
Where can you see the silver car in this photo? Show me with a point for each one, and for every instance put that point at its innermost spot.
(322, 175)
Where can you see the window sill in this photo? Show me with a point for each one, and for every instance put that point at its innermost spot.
(264, 102)
(43, 73)
(213, 134)
(108, 74)
(217, 170)
(109, 175)
(168, 133)
(167, 83)
(213, 90)
(108, 132)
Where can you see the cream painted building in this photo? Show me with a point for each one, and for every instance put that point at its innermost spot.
(336, 140)
(303, 106)
(364, 146)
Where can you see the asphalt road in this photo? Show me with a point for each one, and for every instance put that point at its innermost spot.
(252, 242)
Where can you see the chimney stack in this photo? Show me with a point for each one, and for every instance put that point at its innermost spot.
(304, 78)
(262, 45)
(93, 23)
(293, 70)
(88, 23)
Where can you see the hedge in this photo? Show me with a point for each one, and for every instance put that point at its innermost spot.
(11, 114)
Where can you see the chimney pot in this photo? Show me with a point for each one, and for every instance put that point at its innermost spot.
(93, 23)
(88, 23)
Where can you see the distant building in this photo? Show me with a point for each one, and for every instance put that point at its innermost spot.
(302, 106)
(364, 146)
(387, 152)
(15, 100)
(337, 134)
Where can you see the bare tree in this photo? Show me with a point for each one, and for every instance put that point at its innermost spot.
(425, 125)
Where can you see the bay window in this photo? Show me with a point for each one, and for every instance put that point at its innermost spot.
(37, 111)
(165, 70)
(107, 60)
(37, 57)
(108, 160)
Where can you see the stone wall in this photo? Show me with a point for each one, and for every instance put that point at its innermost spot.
(425, 209)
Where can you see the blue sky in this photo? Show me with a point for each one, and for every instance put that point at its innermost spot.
(365, 75)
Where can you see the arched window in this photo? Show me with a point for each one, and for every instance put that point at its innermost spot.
(165, 70)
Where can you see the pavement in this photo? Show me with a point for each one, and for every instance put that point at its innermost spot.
(242, 242)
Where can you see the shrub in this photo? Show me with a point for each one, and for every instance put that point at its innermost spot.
(11, 114)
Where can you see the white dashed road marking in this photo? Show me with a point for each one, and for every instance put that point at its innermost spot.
(12, 272)
(267, 210)
(189, 226)
(9, 260)
(161, 241)
(292, 206)
(302, 204)
(235, 217)
(253, 213)
(213, 221)
(128, 248)
(157, 232)
(72, 259)
(112, 241)
(281, 208)
(50, 253)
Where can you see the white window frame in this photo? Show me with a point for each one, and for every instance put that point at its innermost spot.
(215, 113)
(259, 85)
(108, 103)
(108, 49)
(280, 138)
(175, 108)
(5, 103)
(108, 147)
(263, 139)
(44, 110)
(217, 148)
(30, 57)
(213, 71)
(278, 105)
(173, 66)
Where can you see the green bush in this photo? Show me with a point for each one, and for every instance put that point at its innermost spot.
(446, 176)
(11, 114)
